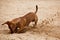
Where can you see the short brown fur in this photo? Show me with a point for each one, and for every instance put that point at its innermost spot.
(21, 22)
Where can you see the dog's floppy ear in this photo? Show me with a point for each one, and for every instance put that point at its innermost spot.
(7, 22)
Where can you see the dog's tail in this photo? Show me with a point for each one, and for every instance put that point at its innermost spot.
(5, 23)
(36, 9)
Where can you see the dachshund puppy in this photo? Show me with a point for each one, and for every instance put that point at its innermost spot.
(21, 22)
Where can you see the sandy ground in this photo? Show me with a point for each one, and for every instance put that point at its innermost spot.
(38, 33)
(48, 27)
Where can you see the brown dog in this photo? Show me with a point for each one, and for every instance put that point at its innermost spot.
(21, 22)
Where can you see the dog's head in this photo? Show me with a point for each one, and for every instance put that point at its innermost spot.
(10, 25)
(7, 22)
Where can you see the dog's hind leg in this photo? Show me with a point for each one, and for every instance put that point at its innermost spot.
(36, 20)
(35, 24)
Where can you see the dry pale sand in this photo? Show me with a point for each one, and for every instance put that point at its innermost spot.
(48, 27)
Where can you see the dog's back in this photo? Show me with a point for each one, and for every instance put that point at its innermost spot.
(31, 16)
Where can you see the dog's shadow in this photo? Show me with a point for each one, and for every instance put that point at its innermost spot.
(8, 31)
(4, 32)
